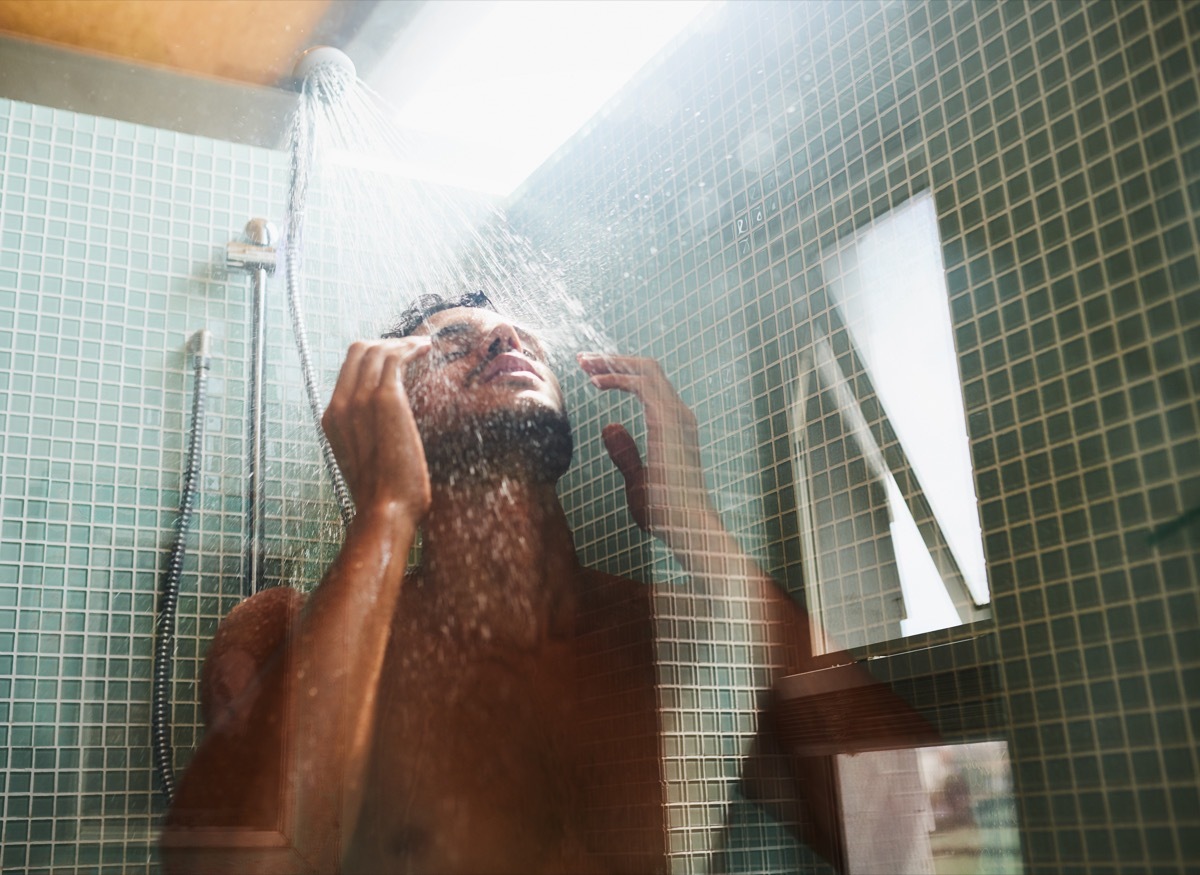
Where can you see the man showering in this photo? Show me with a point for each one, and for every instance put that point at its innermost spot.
(492, 709)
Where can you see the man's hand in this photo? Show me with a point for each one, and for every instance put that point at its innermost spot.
(667, 495)
(370, 426)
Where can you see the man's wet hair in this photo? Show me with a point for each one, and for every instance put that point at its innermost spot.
(426, 305)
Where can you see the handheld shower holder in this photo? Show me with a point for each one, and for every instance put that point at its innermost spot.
(256, 251)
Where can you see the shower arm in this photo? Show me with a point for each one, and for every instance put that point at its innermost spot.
(256, 255)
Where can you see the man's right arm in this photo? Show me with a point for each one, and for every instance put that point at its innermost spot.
(277, 782)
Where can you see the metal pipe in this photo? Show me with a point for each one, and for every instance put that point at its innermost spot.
(256, 256)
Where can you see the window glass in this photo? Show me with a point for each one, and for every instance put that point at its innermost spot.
(886, 491)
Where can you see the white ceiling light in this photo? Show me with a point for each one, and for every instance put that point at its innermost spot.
(488, 89)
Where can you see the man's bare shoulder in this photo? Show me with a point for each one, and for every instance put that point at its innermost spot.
(247, 638)
(257, 621)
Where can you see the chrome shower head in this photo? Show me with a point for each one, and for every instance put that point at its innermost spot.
(329, 71)
(317, 56)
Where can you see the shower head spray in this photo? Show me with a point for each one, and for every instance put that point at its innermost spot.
(326, 69)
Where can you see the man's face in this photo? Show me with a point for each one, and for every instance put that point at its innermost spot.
(485, 385)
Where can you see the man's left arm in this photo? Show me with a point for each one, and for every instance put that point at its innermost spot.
(669, 499)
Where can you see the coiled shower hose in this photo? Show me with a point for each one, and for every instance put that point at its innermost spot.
(168, 598)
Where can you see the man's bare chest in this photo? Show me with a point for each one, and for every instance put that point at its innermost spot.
(476, 757)
(491, 757)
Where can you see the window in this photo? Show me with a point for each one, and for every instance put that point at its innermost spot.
(889, 517)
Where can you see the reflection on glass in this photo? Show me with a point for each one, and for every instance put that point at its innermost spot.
(944, 810)
(886, 492)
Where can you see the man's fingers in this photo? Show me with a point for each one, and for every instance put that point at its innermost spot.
(640, 376)
(369, 365)
(601, 363)
(348, 375)
(400, 357)
(365, 362)
(622, 449)
(369, 371)
(661, 405)
(631, 383)
(624, 453)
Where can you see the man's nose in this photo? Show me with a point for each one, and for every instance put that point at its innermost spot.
(503, 338)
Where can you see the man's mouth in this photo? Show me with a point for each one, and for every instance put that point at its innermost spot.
(510, 364)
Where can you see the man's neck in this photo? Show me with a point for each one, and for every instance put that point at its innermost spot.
(498, 562)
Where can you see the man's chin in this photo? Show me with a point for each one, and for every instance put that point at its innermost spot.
(530, 436)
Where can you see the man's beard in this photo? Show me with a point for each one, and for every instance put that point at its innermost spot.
(533, 440)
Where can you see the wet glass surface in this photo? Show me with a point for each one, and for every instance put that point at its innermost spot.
(926, 275)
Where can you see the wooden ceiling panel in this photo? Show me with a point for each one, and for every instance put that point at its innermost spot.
(253, 41)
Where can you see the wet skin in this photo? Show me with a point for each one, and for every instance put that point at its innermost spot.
(491, 711)
(505, 653)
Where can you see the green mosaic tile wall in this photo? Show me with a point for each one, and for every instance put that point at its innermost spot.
(1061, 143)
(112, 256)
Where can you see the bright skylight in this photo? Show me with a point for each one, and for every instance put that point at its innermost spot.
(489, 89)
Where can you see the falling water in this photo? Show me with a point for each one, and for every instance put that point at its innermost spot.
(364, 239)
(395, 237)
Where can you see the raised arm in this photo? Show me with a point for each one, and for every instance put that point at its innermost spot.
(668, 498)
(277, 781)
